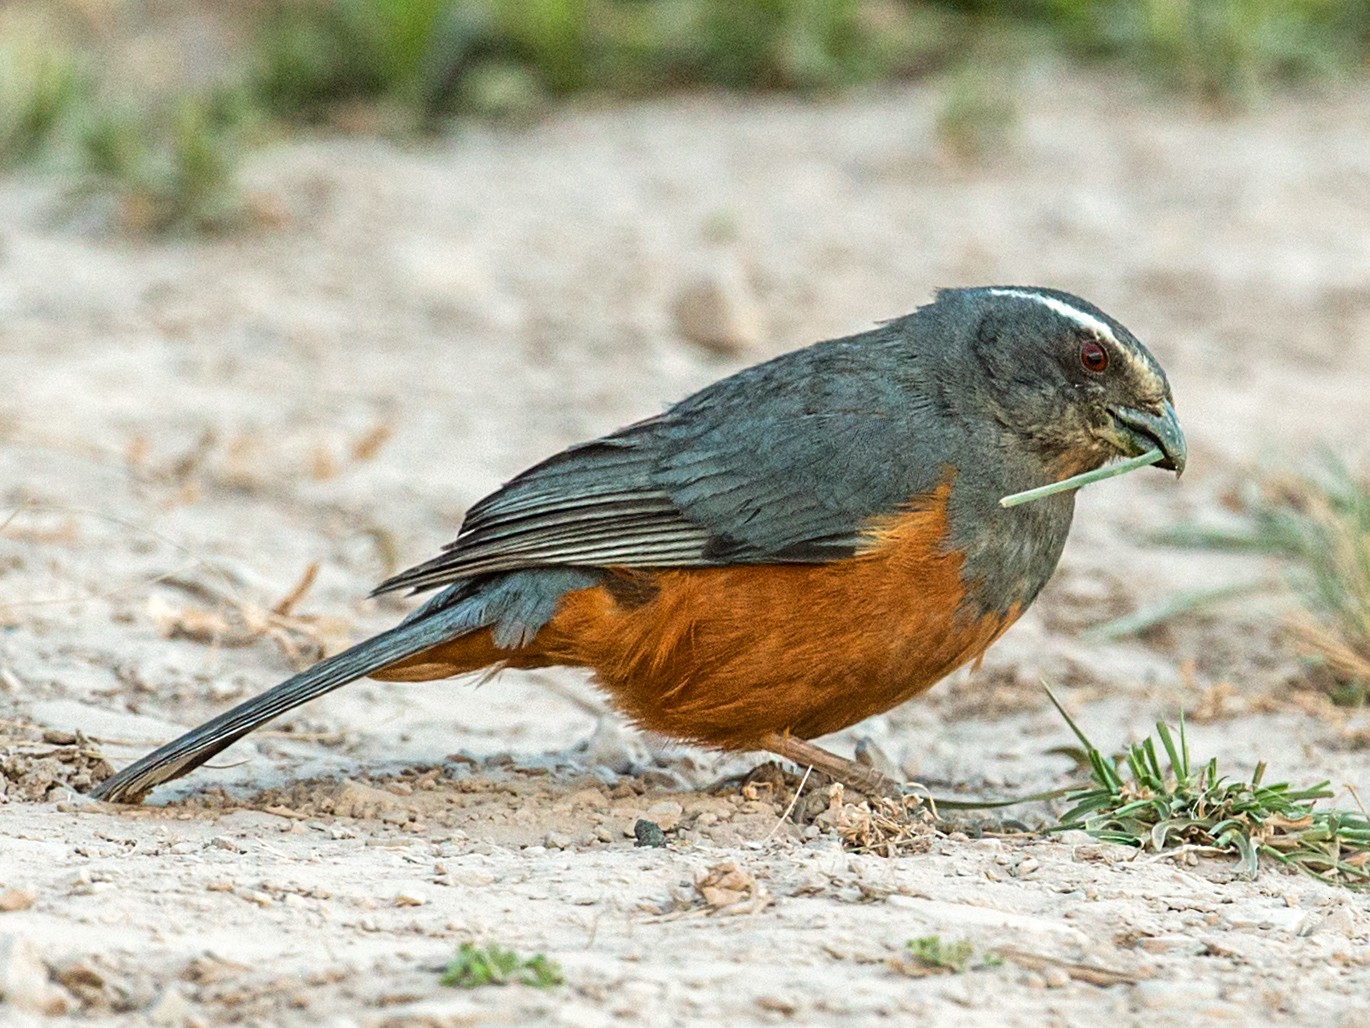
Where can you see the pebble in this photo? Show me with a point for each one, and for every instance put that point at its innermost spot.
(24, 983)
(666, 814)
(1055, 977)
(1340, 922)
(717, 312)
(1105, 853)
(256, 896)
(1075, 837)
(16, 899)
(171, 1008)
(648, 833)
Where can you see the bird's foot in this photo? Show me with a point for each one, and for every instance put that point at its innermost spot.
(861, 777)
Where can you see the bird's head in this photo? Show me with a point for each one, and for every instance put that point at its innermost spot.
(1071, 383)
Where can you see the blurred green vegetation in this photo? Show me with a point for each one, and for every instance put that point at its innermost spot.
(1227, 51)
(168, 169)
(39, 90)
(433, 58)
(405, 66)
(438, 57)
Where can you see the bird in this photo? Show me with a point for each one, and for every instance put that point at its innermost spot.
(794, 548)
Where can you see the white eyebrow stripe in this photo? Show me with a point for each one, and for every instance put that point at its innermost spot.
(1086, 321)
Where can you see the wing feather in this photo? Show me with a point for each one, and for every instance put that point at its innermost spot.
(784, 462)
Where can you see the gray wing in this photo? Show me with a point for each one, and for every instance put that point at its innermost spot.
(783, 462)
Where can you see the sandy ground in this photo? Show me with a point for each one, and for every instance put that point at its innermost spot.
(187, 427)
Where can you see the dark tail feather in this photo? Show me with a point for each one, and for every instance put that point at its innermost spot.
(191, 750)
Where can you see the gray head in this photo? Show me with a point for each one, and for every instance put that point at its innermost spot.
(1059, 374)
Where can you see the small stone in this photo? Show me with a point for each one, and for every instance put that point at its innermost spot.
(24, 983)
(558, 841)
(648, 833)
(16, 899)
(1027, 867)
(409, 898)
(1055, 978)
(1340, 922)
(1075, 837)
(1106, 853)
(171, 1008)
(666, 814)
(716, 311)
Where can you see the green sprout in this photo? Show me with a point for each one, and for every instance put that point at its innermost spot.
(475, 966)
(929, 955)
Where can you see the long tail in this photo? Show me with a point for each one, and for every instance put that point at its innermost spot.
(191, 750)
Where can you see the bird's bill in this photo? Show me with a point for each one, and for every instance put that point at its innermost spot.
(1139, 430)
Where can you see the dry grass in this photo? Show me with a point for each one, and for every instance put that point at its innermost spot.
(232, 621)
(880, 825)
(1321, 524)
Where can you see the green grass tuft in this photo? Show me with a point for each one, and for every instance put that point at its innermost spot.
(929, 955)
(1154, 804)
(476, 966)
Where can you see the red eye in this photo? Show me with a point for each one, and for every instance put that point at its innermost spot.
(1094, 357)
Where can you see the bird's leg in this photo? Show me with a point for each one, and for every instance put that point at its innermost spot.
(848, 772)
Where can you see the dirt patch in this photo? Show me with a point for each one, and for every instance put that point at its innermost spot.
(38, 765)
